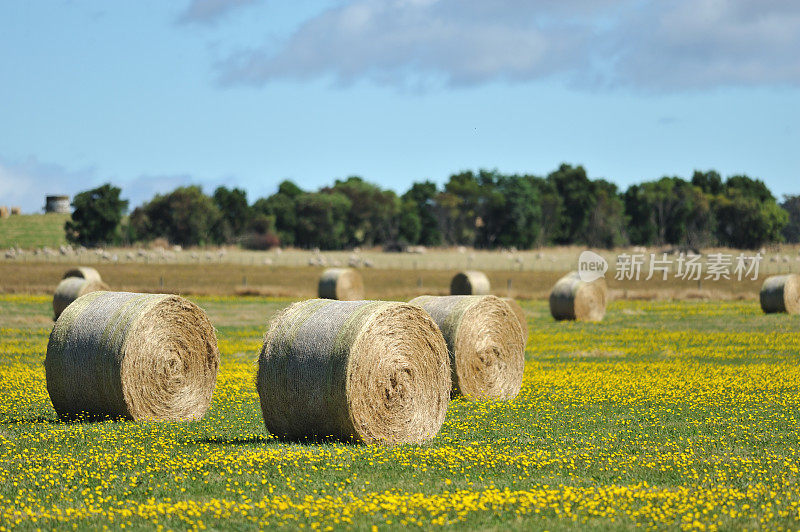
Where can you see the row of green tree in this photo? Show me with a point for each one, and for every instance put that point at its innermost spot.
(486, 209)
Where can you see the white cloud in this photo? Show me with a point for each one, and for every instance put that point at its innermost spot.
(25, 183)
(209, 11)
(706, 43)
(459, 43)
(649, 44)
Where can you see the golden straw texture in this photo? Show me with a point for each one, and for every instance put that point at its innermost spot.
(519, 313)
(367, 371)
(135, 356)
(470, 283)
(485, 343)
(84, 272)
(70, 289)
(344, 284)
(573, 299)
(781, 293)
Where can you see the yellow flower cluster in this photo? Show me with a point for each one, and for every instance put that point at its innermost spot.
(666, 415)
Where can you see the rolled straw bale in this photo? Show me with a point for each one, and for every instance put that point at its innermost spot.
(781, 293)
(16, 210)
(136, 356)
(368, 371)
(344, 284)
(470, 283)
(573, 299)
(72, 288)
(484, 341)
(84, 272)
(519, 313)
(3, 212)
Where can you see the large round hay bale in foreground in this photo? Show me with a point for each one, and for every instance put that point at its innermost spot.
(344, 284)
(574, 299)
(70, 289)
(519, 313)
(135, 356)
(781, 293)
(485, 343)
(366, 371)
(83, 272)
(470, 283)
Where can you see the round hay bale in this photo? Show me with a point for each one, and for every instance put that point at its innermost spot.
(84, 272)
(519, 313)
(470, 283)
(344, 284)
(135, 356)
(573, 299)
(484, 341)
(367, 371)
(781, 293)
(72, 288)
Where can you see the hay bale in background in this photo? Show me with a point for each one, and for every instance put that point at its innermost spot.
(84, 272)
(344, 284)
(573, 299)
(485, 343)
(519, 313)
(16, 211)
(72, 288)
(137, 356)
(3, 212)
(781, 293)
(370, 371)
(470, 283)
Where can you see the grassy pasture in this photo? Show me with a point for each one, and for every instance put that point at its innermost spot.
(666, 415)
(33, 230)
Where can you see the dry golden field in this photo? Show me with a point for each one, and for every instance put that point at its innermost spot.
(294, 273)
(301, 281)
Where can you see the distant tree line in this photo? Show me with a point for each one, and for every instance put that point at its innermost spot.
(486, 209)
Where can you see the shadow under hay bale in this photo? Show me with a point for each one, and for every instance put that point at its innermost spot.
(84, 272)
(134, 356)
(70, 289)
(364, 371)
(485, 343)
(470, 283)
(344, 284)
(781, 293)
(574, 299)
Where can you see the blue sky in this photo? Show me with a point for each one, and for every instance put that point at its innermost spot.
(150, 95)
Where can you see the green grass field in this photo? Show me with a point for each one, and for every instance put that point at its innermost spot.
(666, 415)
(33, 230)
